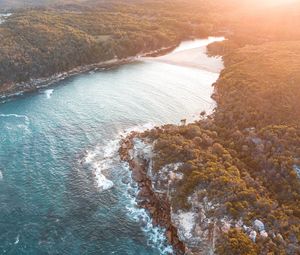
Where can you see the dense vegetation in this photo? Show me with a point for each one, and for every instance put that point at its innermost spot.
(40, 42)
(246, 155)
(236, 242)
(49, 37)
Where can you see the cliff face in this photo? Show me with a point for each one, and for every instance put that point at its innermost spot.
(196, 227)
(139, 157)
(193, 230)
(199, 208)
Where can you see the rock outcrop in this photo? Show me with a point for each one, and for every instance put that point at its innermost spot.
(193, 231)
(156, 203)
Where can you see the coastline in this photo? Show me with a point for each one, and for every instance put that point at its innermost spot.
(156, 204)
(22, 88)
(213, 221)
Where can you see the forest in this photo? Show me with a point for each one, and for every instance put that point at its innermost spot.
(246, 155)
(42, 41)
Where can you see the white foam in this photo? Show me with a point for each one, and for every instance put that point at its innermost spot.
(48, 93)
(156, 235)
(103, 182)
(24, 124)
(17, 239)
(101, 159)
(138, 128)
(1, 176)
(15, 116)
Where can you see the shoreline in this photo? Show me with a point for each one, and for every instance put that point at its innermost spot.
(23, 88)
(156, 204)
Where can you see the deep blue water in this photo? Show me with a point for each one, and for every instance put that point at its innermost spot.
(58, 156)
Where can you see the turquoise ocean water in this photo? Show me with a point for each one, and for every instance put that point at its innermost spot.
(63, 189)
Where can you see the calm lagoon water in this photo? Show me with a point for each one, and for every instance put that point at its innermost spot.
(63, 189)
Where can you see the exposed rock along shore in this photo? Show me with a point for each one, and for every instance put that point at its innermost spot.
(157, 204)
(194, 231)
(11, 90)
(186, 236)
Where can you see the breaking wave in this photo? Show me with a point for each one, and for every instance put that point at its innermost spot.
(26, 119)
(156, 235)
(100, 160)
(14, 123)
(49, 93)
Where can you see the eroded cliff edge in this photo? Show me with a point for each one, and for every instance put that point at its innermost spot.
(139, 157)
(193, 225)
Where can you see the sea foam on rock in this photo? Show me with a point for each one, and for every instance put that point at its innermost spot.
(138, 154)
(156, 235)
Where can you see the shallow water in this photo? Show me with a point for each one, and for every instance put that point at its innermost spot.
(63, 189)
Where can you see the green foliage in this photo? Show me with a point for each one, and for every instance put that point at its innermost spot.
(244, 156)
(236, 242)
(262, 81)
(40, 42)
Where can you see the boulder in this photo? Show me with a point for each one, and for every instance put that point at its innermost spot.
(263, 234)
(259, 225)
(226, 227)
(253, 235)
